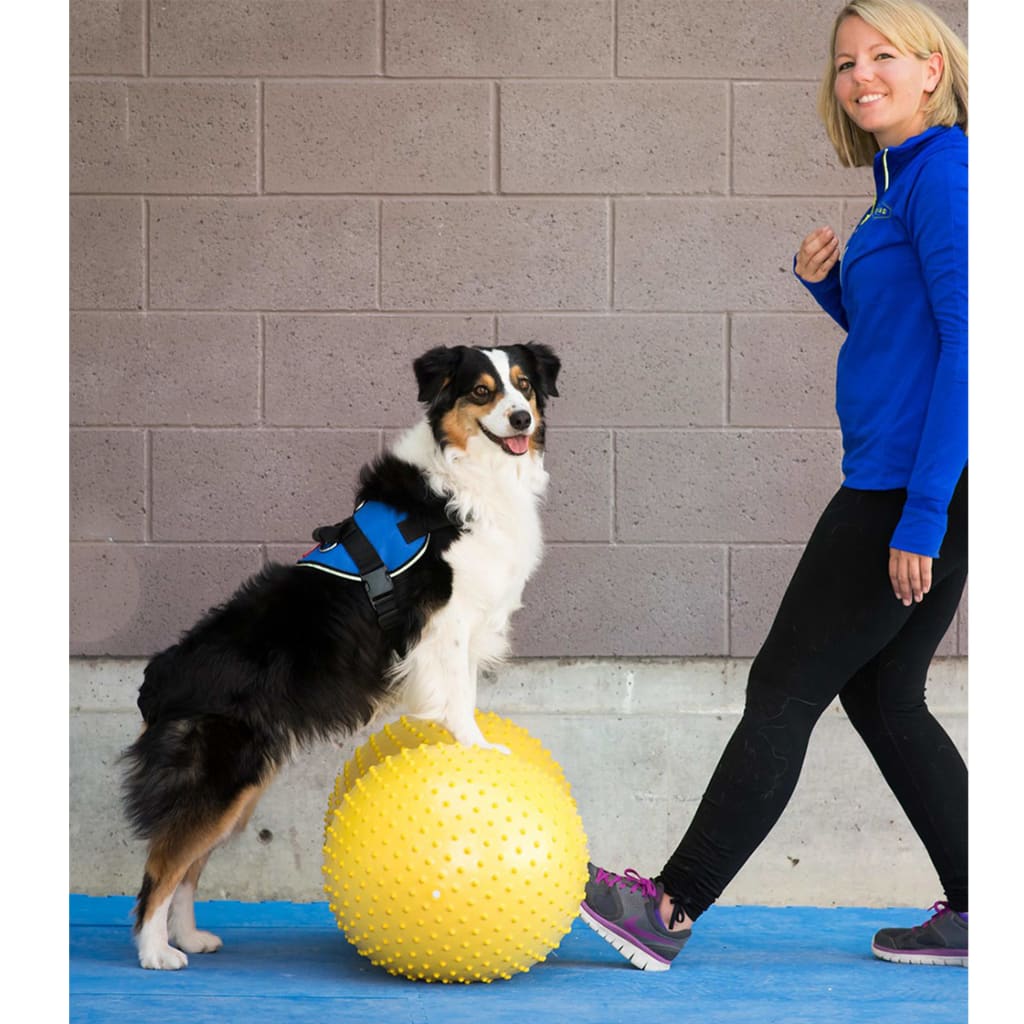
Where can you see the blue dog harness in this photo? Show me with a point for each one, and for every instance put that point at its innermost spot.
(375, 544)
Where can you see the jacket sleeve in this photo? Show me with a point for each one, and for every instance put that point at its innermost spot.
(828, 294)
(937, 221)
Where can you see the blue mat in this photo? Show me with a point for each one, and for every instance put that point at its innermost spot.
(286, 962)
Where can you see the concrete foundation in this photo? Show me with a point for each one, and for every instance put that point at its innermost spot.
(637, 739)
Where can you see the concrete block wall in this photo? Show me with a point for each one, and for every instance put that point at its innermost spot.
(277, 204)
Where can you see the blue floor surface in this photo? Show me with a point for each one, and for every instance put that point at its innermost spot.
(285, 962)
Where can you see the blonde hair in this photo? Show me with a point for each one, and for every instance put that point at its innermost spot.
(916, 30)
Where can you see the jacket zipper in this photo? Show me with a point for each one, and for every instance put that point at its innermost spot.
(885, 187)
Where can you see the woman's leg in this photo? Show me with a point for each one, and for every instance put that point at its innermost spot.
(838, 612)
(885, 701)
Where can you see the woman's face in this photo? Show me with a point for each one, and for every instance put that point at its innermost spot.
(881, 88)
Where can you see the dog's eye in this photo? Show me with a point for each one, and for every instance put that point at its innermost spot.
(481, 393)
(525, 386)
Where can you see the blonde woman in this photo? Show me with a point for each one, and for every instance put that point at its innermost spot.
(883, 572)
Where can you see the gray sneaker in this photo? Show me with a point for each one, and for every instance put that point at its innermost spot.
(623, 910)
(942, 940)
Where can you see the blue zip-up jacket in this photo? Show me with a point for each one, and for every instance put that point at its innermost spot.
(900, 291)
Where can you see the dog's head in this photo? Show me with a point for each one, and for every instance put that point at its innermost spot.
(497, 394)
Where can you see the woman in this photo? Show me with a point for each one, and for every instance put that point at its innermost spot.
(882, 574)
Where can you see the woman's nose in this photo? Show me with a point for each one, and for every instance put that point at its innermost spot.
(863, 71)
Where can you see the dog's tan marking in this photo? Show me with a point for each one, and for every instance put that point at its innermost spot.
(173, 856)
(463, 421)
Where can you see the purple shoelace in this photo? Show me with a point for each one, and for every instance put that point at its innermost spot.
(630, 880)
(939, 909)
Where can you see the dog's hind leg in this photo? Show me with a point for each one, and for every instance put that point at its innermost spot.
(165, 906)
(181, 919)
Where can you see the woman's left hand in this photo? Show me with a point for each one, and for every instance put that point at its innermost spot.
(910, 574)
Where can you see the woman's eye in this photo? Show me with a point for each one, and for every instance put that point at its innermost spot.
(845, 66)
(884, 56)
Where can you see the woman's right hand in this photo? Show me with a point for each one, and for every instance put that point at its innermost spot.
(818, 255)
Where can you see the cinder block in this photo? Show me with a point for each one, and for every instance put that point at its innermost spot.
(377, 137)
(264, 37)
(106, 37)
(108, 484)
(782, 370)
(354, 370)
(265, 253)
(711, 39)
(479, 38)
(624, 137)
(165, 368)
(253, 485)
(152, 136)
(632, 371)
(724, 486)
(598, 600)
(712, 255)
(780, 147)
(107, 253)
(758, 578)
(579, 497)
(478, 254)
(134, 599)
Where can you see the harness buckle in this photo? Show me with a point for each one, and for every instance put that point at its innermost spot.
(378, 584)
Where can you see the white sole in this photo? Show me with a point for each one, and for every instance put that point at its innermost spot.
(926, 959)
(634, 954)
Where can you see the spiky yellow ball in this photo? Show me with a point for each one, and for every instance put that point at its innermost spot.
(455, 864)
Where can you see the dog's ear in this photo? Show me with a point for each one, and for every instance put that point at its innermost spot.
(434, 369)
(548, 365)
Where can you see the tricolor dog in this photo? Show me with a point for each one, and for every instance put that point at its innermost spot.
(396, 610)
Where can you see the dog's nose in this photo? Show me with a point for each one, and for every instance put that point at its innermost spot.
(520, 419)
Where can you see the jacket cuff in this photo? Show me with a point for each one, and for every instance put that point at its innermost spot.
(921, 528)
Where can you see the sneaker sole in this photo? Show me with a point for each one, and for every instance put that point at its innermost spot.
(934, 959)
(636, 955)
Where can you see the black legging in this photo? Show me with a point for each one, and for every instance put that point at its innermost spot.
(840, 630)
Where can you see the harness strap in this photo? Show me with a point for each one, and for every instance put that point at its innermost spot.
(411, 528)
(367, 560)
(415, 527)
(376, 579)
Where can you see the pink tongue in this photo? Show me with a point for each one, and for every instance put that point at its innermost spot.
(516, 445)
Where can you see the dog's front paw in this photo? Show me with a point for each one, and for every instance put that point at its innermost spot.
(162, 958)
(198, 942)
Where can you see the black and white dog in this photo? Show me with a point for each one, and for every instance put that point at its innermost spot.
(300, 653)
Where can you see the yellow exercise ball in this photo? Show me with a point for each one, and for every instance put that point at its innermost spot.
(406, 733)
(455, 864)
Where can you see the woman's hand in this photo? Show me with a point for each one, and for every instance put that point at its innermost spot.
(818, 254)
(910, 575)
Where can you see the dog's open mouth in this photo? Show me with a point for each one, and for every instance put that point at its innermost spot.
(517, 444)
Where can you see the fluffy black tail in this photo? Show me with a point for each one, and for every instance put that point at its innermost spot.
(185, 770)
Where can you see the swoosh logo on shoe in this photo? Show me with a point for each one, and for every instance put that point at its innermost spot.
(632, 925)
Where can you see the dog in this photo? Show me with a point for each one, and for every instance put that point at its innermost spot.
(308, 652)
